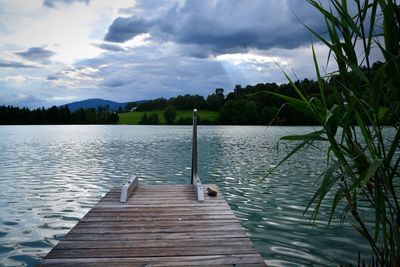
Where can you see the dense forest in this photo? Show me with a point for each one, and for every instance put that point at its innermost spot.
(250, 105)
(56, 115)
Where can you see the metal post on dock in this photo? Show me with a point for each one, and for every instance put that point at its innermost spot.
(195, 177)
(194, 146)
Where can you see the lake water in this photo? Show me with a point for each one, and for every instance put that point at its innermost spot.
(50, 176)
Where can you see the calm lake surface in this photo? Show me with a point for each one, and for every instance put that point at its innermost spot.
(50, 176)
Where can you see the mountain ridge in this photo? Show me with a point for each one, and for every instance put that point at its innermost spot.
(96, 103)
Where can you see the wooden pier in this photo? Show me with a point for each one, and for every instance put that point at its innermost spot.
(158, 225)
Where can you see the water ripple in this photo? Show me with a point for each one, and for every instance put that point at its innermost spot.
(50, 176)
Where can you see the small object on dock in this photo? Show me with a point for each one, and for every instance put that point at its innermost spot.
(212, 192)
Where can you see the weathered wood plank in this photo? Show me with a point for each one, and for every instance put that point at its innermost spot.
(214, 260)
(148, 252)
(137, 200)
(156, 243)
(154, 229)
(153, 223)
(160, 236)
(135, 219)
(164, 201)
(161, 264)
(160, 225)
(118, 208)
(155, 214)
(161, 205)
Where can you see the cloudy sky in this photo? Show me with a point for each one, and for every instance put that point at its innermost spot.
(58, 51)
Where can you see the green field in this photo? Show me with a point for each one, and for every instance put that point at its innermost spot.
(135, 116)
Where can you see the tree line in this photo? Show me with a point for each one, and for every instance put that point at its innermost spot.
(171, 117)
(10, 115)
(250, 105)
(254, 104)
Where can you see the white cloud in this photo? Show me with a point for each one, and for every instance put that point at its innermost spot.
(17, 80)
(68, 31)
(63, 98)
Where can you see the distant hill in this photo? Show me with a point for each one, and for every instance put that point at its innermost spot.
(95, 103)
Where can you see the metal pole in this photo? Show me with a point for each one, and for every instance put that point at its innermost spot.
(194, 146)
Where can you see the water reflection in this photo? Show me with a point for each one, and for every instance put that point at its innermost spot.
(52, 175)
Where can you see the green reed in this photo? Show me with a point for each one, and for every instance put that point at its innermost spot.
(353, 105)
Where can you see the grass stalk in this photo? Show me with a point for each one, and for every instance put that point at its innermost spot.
(363, 167)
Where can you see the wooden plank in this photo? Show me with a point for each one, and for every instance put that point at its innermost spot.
(166, 202)
(161, 264)
(157, 226)
(161, 224)
(135, 198)
(213, 260)
(159, 236)
(154, 229)
(150, 205)
(155, 214)
(134, 219)
(148, 252)
(243, 241)
(162, 203)
(153, 223)
(118, 208)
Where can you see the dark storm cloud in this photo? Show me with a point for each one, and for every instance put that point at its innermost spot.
(110, 47)
(14, 64)
(216, 27)
(124, 29)
(38, 54)
(114, 82)
(53, 3)
(52, 78)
